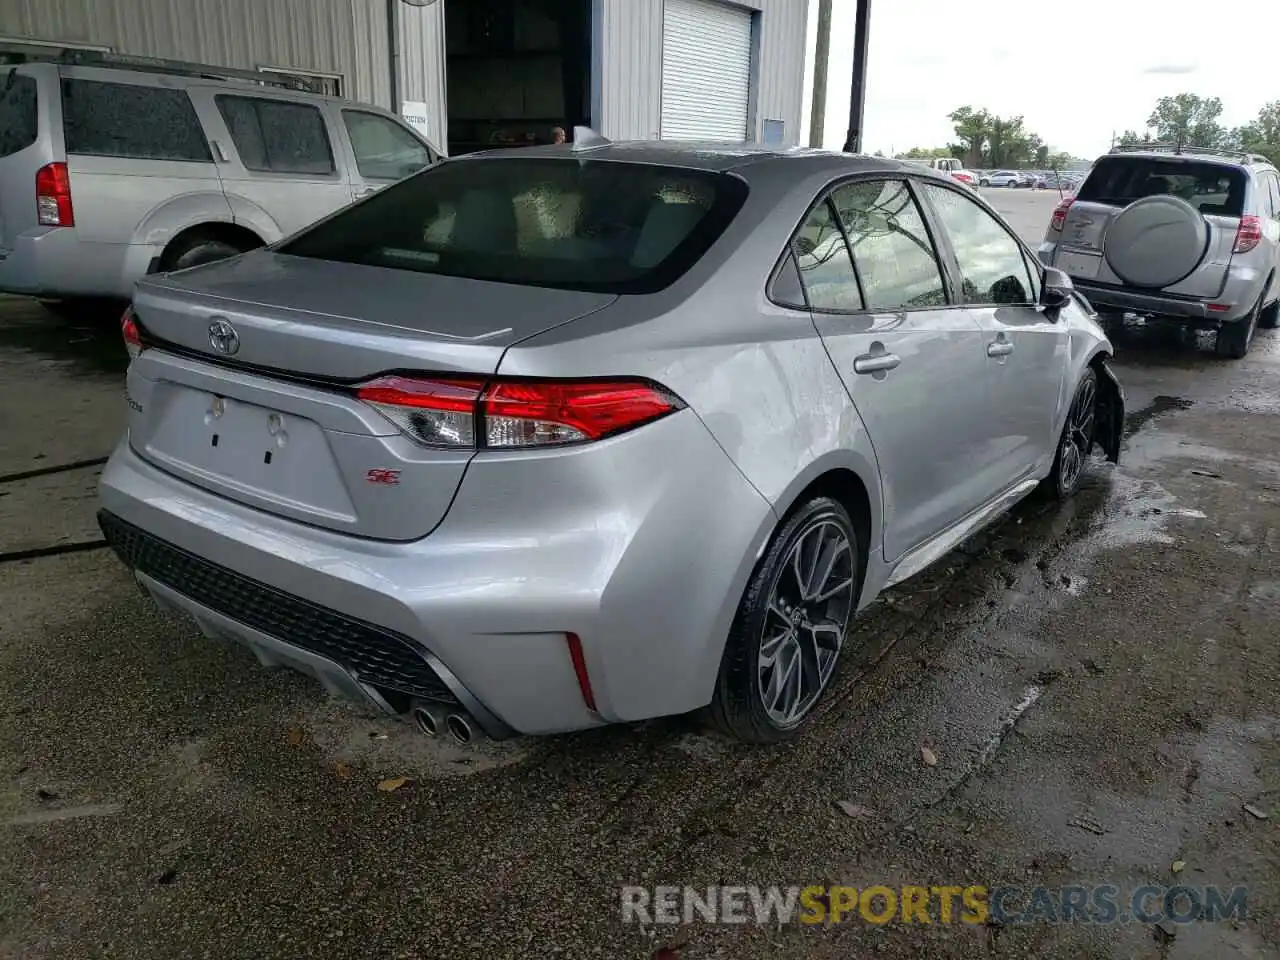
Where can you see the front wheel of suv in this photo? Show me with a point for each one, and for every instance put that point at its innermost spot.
(790, 626)
(1234, 339)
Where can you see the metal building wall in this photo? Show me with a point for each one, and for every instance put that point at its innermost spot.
(422, 65)
(628, 37)
(346, 37)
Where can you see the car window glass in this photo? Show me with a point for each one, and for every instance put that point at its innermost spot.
(894, 256)
(787, 288)
(1212, 188)
(993, 268)
(128, 120)
(825, 268)
(18, 117)
(274, 136)
(576, 224)
(384, 149)
(1273, 186)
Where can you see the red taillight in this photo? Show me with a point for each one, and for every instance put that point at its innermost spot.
(53, 196)
(445, 412)
(132, 335)
(1248, 234)
(1060, 213)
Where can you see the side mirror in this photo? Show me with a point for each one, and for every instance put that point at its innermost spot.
(1056, 289)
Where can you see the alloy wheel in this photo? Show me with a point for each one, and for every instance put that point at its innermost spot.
(810, 603)
(1077, 439)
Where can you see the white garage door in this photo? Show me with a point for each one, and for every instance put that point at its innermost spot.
(706, 70)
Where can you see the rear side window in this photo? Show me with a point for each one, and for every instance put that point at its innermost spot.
(19, 121)
(276, 136)
(1213, 188)
(572, 224)
(384, 150)
(892, 251)
(127, 120)
(825, 268)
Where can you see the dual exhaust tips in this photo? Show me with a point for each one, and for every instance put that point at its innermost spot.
(435, 721)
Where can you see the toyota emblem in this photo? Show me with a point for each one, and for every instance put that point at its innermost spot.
(223, 337)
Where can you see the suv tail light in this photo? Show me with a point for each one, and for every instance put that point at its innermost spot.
(1248, 234)
(130, 332)
(506, 414)
(53, 196)
(1060, 213)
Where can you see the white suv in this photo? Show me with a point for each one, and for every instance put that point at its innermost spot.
(117, 169)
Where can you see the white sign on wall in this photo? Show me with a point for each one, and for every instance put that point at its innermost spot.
(415, 114)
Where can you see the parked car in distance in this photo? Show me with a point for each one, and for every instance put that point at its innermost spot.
(1005, 178)
(542, 439)
(1192, 237)
(949, 166)
(110, 172)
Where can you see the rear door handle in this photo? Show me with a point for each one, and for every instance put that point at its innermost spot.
(876, 362)
(999, 348)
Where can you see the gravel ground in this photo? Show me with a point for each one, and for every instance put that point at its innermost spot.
(1082, 695)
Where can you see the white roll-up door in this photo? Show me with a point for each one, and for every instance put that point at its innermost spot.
(706, 70)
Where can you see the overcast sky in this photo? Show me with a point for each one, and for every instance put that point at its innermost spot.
(1073, 83)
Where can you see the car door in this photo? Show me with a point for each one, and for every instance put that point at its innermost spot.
(382, 151)
(1026, 350)
(911, 361)
(277, 154)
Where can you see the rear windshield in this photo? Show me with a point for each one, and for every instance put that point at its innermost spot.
(573, 224)
(18, 118)
(1210, 187)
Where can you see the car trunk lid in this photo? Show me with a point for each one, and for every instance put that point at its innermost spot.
(271, 419)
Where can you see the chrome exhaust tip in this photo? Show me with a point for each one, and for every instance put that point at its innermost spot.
(459, 727)
(428, 720)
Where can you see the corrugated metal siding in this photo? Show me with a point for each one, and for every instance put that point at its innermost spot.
(422, 73)
(630, 81)
(345, 37)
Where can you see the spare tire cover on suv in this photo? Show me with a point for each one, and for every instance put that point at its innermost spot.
(1156, 241)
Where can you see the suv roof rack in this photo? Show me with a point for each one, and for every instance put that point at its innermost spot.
(19, 52)
(1243, 156)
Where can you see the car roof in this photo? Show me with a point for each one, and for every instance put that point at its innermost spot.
(712, 156)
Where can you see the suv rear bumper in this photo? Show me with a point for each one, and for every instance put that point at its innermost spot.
(54, 262)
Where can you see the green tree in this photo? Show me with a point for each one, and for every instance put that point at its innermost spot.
(972, 127)
(926, 153)
(1188, 120)
(1131, 138)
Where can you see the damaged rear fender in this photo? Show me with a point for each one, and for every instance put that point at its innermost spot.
(1109, 433)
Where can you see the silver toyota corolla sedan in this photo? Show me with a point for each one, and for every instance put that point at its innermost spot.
(544, 439)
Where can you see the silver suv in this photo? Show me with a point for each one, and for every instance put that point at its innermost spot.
(1192, 236)
(108, 173)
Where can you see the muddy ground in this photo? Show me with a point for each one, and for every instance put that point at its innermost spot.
(1099, 686)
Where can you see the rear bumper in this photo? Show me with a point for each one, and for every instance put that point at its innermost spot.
(648, 574)
(53, 262)
(1240, 292)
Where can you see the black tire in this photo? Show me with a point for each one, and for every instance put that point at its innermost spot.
(1065, 476)
(984, 183)
(1234, 339)
(1270, 317)
(199, 250)
(737, 707)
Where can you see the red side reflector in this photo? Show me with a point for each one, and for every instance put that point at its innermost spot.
(53, 196)
(580, 668)
(1219, 307)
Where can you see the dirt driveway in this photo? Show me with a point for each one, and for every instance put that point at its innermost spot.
(1097, 687)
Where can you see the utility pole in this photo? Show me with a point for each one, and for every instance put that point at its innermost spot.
(858, 89)
(818, 114)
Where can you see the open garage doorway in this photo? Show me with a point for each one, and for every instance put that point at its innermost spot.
(517, 69)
